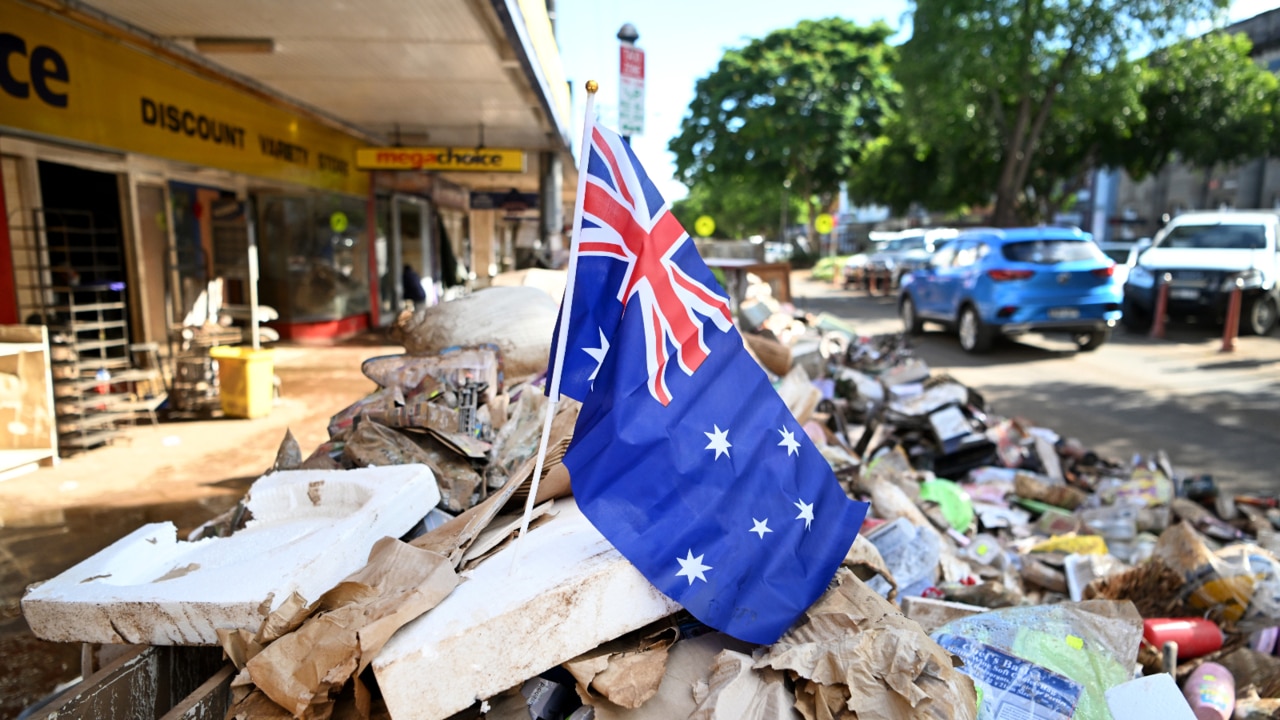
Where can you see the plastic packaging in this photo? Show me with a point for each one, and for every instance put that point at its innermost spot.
(954, 502)
(1211, 692)
(911, 555)
(1118, 525)
(1195, 636)
(1092, 644)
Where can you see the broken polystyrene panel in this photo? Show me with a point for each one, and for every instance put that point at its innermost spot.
(556, 594)
(310, 529)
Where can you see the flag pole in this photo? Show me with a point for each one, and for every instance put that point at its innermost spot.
(566, 304)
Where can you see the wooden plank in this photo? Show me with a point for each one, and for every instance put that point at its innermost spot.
(22, 334)
(210, 701)
(143, 684)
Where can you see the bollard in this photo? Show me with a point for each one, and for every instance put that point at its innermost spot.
(1232, 327)
(1169, 657)
(1162, 307)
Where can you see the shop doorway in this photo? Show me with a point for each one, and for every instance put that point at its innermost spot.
(84, 279)
(411, 254)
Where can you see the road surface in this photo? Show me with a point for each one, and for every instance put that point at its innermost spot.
(1214, 413)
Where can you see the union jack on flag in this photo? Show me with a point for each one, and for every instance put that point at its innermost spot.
(624, 218)
(695, 470)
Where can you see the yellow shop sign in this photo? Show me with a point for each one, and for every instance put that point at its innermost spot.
(62, 80)
(441, 158)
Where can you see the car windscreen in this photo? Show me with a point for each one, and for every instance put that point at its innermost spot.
(1049, 252)
(902, 244)
(1216, 237)
(1119, 256)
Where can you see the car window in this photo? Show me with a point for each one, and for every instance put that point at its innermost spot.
(1216, 237)
(1049, 252)
(967, 255)
(1120, 256)
(943, 257)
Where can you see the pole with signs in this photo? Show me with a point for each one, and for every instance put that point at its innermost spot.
(630, 84)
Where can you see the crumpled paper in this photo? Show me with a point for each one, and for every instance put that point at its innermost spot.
(626, 671)
(689, 666)
(855, 655)
(303, 670)
(737, 691)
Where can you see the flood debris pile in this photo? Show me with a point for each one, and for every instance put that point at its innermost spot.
(1004, 571)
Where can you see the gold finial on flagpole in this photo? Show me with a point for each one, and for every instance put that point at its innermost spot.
(592, 86)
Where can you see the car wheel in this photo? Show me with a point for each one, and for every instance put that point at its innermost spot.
(974, 336)
(1089, 341)
(1258, 317)
(910, 320)
(1133, 318)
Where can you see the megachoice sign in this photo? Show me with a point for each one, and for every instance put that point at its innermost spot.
(450, 159)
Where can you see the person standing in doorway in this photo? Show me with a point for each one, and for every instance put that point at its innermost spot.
(411, 282)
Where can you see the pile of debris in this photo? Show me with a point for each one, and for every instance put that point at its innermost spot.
(1005, 571)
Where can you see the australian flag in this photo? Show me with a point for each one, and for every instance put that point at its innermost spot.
(684, 456)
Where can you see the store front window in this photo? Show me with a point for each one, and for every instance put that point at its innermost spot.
(314, 256)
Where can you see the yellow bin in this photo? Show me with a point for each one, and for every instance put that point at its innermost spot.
(245, 380)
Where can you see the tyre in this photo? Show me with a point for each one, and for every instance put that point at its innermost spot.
(1134, 318)
(910, 320)
(1089, 341)
(1258, 316)
(975, 337)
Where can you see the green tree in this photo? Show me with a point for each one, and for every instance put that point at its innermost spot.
(739, 209)
(1207, 103)
(989, 74)
(799, 105)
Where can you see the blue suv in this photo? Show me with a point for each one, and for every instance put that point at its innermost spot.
(1009, 282)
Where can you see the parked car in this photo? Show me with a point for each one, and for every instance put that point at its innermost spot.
(990, 283)
(1124, 255)
(909, 251)
(1205, 254)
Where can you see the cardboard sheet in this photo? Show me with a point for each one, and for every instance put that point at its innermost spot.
(302, 669)
(857, 646)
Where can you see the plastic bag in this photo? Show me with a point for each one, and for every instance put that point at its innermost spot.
(1070, 654)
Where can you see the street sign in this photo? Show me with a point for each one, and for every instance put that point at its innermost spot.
(704, 226)
(824, 224)
(630, 90)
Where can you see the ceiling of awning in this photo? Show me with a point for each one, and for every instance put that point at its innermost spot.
(437, 72)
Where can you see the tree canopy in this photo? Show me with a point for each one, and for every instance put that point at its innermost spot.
(990, 74)
(739, 209)
(798, 105)
(1206, 102)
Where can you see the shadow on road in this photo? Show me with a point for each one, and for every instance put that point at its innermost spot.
(1223, 433)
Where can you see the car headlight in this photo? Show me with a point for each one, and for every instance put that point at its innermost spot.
(1140, 276)
(1251, 278)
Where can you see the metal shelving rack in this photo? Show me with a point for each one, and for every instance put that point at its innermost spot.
(72, 277)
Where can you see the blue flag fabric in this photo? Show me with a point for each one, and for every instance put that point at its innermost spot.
(684, 456)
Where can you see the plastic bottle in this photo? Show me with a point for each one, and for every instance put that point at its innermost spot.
(1195, 636)
(103, 376)
(1211, 692)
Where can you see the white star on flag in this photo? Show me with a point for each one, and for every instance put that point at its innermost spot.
(761, 527)
(789, 442)
(806, 513)
(719, 442)
(691, 567)
(598, 353)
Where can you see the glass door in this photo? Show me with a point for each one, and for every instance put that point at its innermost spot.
(411, 256)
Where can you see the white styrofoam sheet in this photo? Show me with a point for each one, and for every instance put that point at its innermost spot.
(309, 530)
(569, 591)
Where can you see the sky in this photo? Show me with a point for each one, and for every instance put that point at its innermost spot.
(683, 41)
